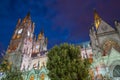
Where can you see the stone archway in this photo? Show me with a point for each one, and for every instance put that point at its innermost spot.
(115, 65)
(43, 74)
(31, 75)
(116, 71)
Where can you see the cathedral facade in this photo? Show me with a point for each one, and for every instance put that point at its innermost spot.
(105, 43)
(28, 52)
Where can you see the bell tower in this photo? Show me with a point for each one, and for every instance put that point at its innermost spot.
(24, 31)
(39, 44)
(21, 43)
(42, 40)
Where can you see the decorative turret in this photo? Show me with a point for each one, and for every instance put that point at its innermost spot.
(97, 19)
(27, 18)
(41, 35)
(117, 25)
(24, 31)
(18, 23)
(33, 27)
(93, 37)
(101, 25)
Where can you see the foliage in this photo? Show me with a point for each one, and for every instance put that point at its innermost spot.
(10, 74)
(65, 63)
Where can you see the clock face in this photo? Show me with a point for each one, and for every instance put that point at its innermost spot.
(28, 33)
(20, 31)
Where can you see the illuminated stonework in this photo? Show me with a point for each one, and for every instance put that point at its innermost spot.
(28, 52)
(105, 43)
(97, 19)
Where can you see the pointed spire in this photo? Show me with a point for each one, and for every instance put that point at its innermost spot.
(97, 19)
(41, 34)
(27, 17)
(18, 23)
(33, 27)
(116, 23)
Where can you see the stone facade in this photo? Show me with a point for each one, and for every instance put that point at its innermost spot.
(105, 43)
(28, 52)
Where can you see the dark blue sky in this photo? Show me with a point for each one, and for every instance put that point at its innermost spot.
(63, 20)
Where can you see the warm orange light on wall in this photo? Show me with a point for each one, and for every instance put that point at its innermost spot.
(97, 19)
(42, 77)
(32, 77)
(40, 36)
(18, 36)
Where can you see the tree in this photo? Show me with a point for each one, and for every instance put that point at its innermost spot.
(65, 63)
(10, 74)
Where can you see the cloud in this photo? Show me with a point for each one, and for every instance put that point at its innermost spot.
(63, 20)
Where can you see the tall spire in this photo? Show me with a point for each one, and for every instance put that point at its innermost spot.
(18, 23)
(41, 34)
(33, 26)
(97, 19)
(27, 17)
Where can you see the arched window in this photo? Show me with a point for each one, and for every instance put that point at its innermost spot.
(116, 71)
(42, 76)
(32, 77)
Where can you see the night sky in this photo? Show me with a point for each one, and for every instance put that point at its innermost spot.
(62, 20)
